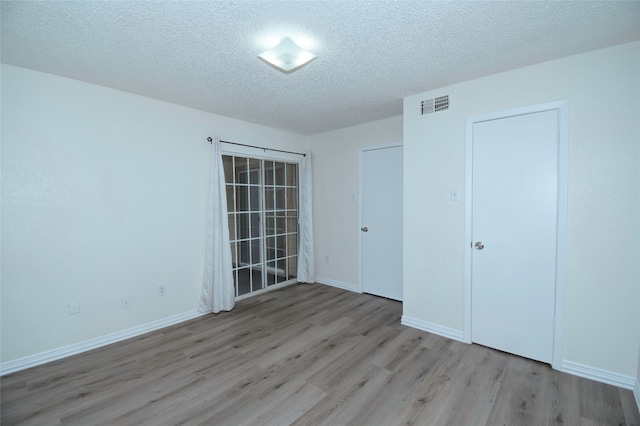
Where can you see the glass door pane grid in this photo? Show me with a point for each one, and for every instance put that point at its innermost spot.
(243, 179)
(263, 221)
(281, 227)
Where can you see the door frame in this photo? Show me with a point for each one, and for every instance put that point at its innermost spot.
(261, 154)
(562, 108)
(361, 152)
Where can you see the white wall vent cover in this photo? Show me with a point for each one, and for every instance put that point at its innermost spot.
(429, 106)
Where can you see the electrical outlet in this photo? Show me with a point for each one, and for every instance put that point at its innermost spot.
(74, 307)
(326, 259)
(162, 290)
(126, 303)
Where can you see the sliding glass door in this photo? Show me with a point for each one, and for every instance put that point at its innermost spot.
(262, 201)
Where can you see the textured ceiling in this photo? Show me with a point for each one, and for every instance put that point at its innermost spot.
(371, 54)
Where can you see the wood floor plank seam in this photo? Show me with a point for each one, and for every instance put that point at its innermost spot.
(305, 355)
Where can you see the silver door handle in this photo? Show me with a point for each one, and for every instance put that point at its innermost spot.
(479, 245)
(364, 229)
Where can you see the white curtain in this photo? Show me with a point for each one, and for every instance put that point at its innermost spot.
(306, 271)
(217, 284)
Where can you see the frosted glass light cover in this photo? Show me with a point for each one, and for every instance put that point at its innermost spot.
(287, 56)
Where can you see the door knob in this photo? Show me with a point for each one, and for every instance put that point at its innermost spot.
(364, 229)
(479, 245)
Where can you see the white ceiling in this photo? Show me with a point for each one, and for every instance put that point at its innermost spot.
(371, 54)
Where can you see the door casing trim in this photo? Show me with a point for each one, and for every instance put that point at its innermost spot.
(562, 108)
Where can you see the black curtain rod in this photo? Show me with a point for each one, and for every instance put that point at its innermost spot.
(210, 139)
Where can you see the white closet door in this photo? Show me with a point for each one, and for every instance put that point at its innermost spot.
(381, 226)
(514, 208)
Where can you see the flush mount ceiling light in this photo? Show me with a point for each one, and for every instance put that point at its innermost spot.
(287, 56)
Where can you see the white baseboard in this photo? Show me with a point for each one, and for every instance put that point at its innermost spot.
(600, 375)
(569, 367)
(433, 328)
(636, 393)
(338, 284)
(87, 345)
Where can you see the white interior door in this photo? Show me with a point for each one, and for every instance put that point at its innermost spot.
(514, 219)
(381, 221)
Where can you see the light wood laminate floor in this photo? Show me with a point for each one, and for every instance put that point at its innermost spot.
(305, 355)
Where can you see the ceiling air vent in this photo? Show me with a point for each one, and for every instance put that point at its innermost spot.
(429, 106)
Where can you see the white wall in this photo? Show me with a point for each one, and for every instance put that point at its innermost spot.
(602, 312)
(636, 390)
(335, 181)
(103, 196)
